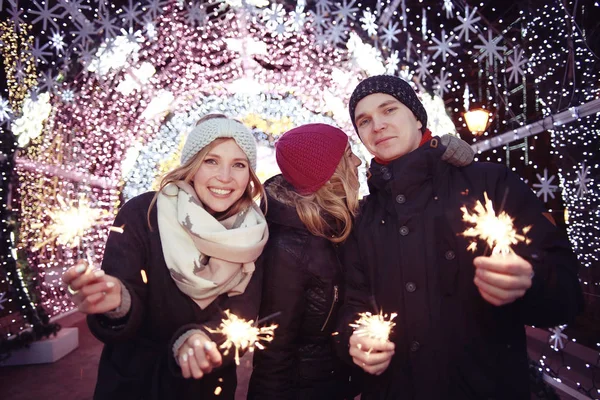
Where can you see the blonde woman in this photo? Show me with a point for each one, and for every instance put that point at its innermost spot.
(175, 260)
(311, 208)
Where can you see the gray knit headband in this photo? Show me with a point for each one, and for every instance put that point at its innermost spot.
(207, 131)
(395, 87)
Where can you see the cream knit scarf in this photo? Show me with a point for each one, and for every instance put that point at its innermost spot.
(207, 257)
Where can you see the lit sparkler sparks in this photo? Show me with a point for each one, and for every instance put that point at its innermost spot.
(69, 223)
(378, 326)
(242, 334)
(497, 231)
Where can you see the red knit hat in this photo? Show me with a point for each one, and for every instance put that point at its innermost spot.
(309, 154)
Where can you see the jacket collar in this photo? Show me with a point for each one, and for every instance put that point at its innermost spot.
(280, 205)
(408, 173)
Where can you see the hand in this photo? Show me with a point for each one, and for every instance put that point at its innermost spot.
(502, 279)
(197, 356)
(92, 291)
(372, 355)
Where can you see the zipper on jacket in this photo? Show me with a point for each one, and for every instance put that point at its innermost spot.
(335, 299)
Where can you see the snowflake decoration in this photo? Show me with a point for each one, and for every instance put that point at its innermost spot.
(150, 29)
(490, 48)
(39, 53)
(423, 67)
(197, 15)
(84, 31)
(323, 6)
(86, 55)
(391, 65)
(319, 21)
(57, 42)
(404, 15)
(448, 6)
(296, 21)
(156, 7)
(48, 82)
(517, 62)
(46, 14)
(346, 11)
(582, 180)
(389, 34)
(280, 31)
(5, 110)
(545, 186)
(368, 23)
(441, 83)
(273, 16)
(467, 24)
(337, 32)
(443, 47)
(68, 95)
(3, 300)
(108, 26)
(557, 337)
(19, 71)
(16, 15)
(131, 14)
(74, 7)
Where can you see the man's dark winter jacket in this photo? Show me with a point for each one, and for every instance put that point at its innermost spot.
(137, 360)
(407, 255)
(302, 277)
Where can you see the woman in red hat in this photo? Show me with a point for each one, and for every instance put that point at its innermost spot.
(312, 206)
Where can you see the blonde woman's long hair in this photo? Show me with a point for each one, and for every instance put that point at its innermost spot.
(338, 198)
(254, 191)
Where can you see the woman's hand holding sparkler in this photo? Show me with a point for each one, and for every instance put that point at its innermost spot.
(93, 291)
(502, 279)
(372, 355)
(198, 355)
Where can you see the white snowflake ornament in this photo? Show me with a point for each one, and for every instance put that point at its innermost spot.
(467, 24)
(545, 186)
(558, 338)
(490, 48)
(443, 46)
(583, 180)
(517, 62)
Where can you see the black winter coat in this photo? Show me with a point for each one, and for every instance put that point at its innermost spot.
(302, 278)
(137, 361)
(407, 255)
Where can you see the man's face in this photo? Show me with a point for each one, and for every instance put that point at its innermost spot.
(387, 127)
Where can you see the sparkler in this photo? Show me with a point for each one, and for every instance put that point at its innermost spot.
(378, 326)
(497, 231)
(242, 334)
(69, 223)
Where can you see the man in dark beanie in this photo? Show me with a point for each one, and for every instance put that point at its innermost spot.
(459, 330)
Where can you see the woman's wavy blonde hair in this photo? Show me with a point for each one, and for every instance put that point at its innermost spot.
(254, 191)
(337, 198)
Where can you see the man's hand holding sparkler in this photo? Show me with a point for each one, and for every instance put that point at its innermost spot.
(370, 345)
(93, 291)
(372, 355)
(502, 279)
(198, 355)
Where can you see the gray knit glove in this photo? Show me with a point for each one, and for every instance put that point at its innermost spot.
(458, 152)
(123, 308)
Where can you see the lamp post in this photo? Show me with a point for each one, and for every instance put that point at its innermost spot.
(477, 120)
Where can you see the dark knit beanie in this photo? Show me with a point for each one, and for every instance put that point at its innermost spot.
(309, 154)
(394, 86)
